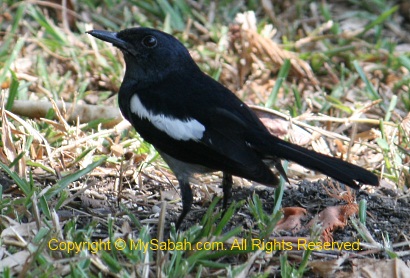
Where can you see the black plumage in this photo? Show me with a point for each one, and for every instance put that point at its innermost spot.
(198, 125)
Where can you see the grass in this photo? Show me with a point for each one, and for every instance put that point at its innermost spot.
(355, 75)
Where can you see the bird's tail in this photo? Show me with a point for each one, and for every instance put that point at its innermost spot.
(338, 169)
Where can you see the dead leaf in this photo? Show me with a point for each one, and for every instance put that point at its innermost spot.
(329, 268)
(15, 261)
(291, 220)
(372, 268)
(117, 150)
(19, 230)
(333, 218)
(8, 145)
(253, 46)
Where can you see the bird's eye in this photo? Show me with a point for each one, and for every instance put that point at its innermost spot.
(149, 41)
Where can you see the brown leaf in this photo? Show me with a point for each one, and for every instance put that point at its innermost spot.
(329, 268)
(8, 145)
(334, 217)
(380, 268)
(117, 150)
(15, 261)
(17, 230)
(291, 220)
(255, 47)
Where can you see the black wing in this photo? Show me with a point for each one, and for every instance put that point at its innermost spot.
(225, 118)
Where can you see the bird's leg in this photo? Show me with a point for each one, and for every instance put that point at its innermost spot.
(187, 199)
(226, 188)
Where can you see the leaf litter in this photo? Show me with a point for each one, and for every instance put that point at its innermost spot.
(140, 184)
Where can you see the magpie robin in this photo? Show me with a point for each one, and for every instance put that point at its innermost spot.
(198, 125)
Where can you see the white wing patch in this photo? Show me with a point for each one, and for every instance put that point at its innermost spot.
(189, 129)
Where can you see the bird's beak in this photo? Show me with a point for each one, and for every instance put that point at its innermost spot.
(110, 37)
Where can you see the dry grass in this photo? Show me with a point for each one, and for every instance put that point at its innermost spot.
(68, 161)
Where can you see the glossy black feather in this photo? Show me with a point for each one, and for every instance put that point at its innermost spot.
(160, 71)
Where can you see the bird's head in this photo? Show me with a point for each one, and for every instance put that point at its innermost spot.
(149, 54)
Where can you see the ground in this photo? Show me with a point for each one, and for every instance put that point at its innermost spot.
(332, 76)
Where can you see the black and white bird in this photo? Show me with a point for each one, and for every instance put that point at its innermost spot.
(198, 125)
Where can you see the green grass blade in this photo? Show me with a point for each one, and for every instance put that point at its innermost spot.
(392, 106)
(16, 160)
(40, 165)
(226, 217)
(12, 90)
(21, 183)
(405, 61)
(50, 28)
(280, 190)
(64, 182)
(362, 211)
(8, 40)
(283, 74)
(44, 207)
(175, 17)
(16, 50)
(379, 20)
(372, 93)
